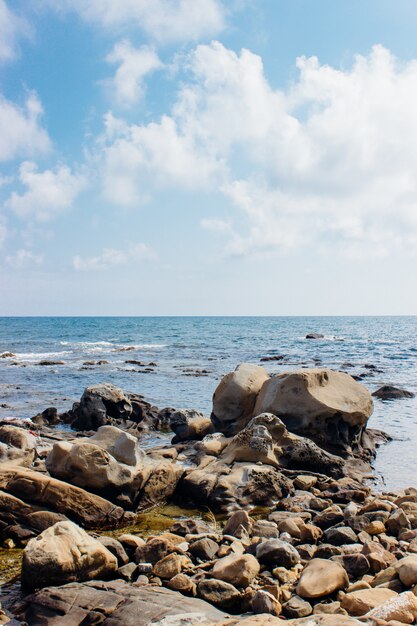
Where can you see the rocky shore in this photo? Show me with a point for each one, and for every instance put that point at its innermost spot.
(289, 531)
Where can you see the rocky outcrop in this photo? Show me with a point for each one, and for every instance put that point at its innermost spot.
(121, 604)
(100, 405)
(327, 406)
(235, 397)
(65, 553)
(44, 492)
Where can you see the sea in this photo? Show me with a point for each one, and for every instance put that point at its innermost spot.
(178, 362)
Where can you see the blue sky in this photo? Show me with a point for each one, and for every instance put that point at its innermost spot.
(198, 157)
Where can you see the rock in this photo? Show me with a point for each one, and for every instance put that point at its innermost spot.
(121, 445)
(406, 569)
(328, 406)
(277, 553)
(161, 484)
(48, 417)
(340, 536)
(190, 425)
(127, 572)
(297, 607)
(218, 592)
(154, 550)
(190, 527)
(238, 523)
(326, 620)
(389, 392)
(402, 608)
(100, 405)
(17, 446)
(235, 397)
(116, 548)
(355, 564)
(321, 578)
(170, 565)
(397, 522)
(266, 439)
(183, 583)
(314, 336)
(360, 602)
(204, 549)
(265, 602)
(82, 507)
(65, 553)
(237, 570)
(265, 529)
(117, 602)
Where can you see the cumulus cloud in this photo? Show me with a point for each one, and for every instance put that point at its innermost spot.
(12, 28)
(111, 257)
(330, 161)
(127, 86)
(48, 193)
(162, 20)
(24, 258)
(21, 133)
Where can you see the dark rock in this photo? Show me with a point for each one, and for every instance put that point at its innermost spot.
(278, 357)
(296, 607)
(340, 536)
(100, 405)
(51, 363)
(117, 602)
(276, 553)
(190, 527)
(204, 549)
(116, 548)
(127, 572)
(314, 336)
(48, 417)
(190, 425)
(389, 392)
(217, 592)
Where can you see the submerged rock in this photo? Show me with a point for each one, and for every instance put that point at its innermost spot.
(389, 392)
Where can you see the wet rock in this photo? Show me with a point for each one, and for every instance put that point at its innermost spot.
(277, 553)
(65, 553)
(189, 425)
(237, 570)
(47, 363)
(389, 392)
(329, 407)
(314, 336)
(219, 593)
(100, 405)
(190, 527)
(48, 417)
(119, 602)
(235, 396)
(321, 578)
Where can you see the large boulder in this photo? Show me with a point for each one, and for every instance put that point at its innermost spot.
(17, 445)
(235, 397)
(267, 440)
(100, 405)
(328, 406)
(87, 509)
(115, 602)
(65, 553)
(320, 578)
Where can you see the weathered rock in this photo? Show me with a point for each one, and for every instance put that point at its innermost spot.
(123, 446)
(340, 536)
(360, 602)
(116, 548)
(65, 553)
(204, 549)
(321, 578)
(237, 570)
(389, 392)
(239, 522)
(190, 527)
(100, 405)
(170, 565)
(297, 607)
(183, 583)
(218, 592)
(265, 602)
(277, 553)
(17, 446)
(266, 439)
(235, 397)
(190, 425)
(117, 602)
(328, 406)
(402, 608)
(406, 569)
(87, 509)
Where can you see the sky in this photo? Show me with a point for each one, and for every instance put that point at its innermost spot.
(208, 157)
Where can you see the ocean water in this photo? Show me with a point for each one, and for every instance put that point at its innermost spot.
(191, 354)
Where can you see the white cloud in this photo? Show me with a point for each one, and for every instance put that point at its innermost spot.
(3, 231)
(329, 162)
(163, 20)
(111, 257)
(24, 258)
(12, 28)
(48, 193)
(134, 64)
(21, 134)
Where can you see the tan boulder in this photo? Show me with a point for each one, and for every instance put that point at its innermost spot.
(358, 603)
(123, 446)
(17, 446)
(328, 406)
(406, 569)
(171, 565)
(402, 608)
(39, 489)
(238, 570)
(320, 578)
(65, 553)
(235, 397)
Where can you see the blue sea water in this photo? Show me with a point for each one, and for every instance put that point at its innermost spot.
(192, 353)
